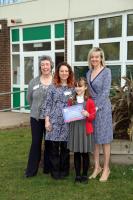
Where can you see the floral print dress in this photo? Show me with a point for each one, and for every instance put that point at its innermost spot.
(57, 99)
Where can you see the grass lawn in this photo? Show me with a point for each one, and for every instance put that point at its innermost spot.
(14, 148)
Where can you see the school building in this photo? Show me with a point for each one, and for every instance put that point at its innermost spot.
(65, 30)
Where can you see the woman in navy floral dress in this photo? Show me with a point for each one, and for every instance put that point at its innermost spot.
(99, 81)
(58, 131)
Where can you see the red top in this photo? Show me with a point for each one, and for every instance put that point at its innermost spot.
(91, 108)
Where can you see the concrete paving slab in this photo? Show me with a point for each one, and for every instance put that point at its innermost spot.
(13, 119)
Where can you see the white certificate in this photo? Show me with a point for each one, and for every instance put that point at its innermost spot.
(73, 113)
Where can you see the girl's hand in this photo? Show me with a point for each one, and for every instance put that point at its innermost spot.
(85, 113)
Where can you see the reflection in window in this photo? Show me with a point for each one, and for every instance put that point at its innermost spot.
(111, 50)
(80, 71)
(116, 74)
(84, 30)
(81, 52)
(59, 44)
(110, 27)
(129, 71)
(130, 51)
(59, 57)
(2, 2)
(16, 69)
(130, 25)
(15, 47)
(28, 69)
(41, 46)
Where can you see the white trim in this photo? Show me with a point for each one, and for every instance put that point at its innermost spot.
(69, 42)
(96, 32)
(22, 95)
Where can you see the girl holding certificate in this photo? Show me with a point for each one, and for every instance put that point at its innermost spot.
(81, 139)
(99, 81)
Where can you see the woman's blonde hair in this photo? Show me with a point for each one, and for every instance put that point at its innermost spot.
(96, 49)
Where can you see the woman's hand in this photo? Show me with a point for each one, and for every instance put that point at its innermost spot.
(48, 125)
(85, 113)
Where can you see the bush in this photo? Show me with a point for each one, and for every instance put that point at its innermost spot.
(122, 110)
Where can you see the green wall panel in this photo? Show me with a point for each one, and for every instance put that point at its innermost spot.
(37, 33)
(59, 30)
(16, 98)
(15, 35)
(27, 107)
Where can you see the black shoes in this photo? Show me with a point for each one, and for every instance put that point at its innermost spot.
(29, 176)
(78, 179)
(59, 175)
(81, 179)
(84, 179)
(46, 171)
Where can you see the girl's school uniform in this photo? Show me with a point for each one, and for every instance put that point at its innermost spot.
(81, 131)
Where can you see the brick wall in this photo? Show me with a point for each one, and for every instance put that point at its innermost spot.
(5, 67)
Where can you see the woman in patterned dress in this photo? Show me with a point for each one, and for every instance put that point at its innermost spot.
(99, 81)
(57, 130)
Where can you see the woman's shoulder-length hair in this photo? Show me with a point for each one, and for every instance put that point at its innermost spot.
(56, 78)
(96, 49)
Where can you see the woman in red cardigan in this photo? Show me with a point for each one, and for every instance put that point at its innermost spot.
(81, 137)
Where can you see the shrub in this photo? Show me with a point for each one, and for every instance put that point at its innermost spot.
(122, 110)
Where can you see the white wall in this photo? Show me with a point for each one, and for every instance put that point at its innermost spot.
(39, 11)
(84, 8)
(35, 11)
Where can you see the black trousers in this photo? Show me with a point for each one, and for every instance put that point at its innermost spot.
(78, 163)
(59, 159)
(37, 132)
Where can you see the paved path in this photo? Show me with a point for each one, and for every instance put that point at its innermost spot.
(13, 119)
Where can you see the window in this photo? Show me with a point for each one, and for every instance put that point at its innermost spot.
(80, 71)
(16, 69)
(129, 71)
(40, 46)
(28, 69)
(110, 27)
(59, 44)
(15, 47)
(81, 52)
(116, 74)
(111, 50)
(130, 50)
(59, 57)
(130, 25)
(84, 30)
(5, 2)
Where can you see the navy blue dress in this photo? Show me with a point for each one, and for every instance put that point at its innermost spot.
(100, 90)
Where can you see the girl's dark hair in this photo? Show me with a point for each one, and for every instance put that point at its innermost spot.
(57, 80)
(79, 83)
